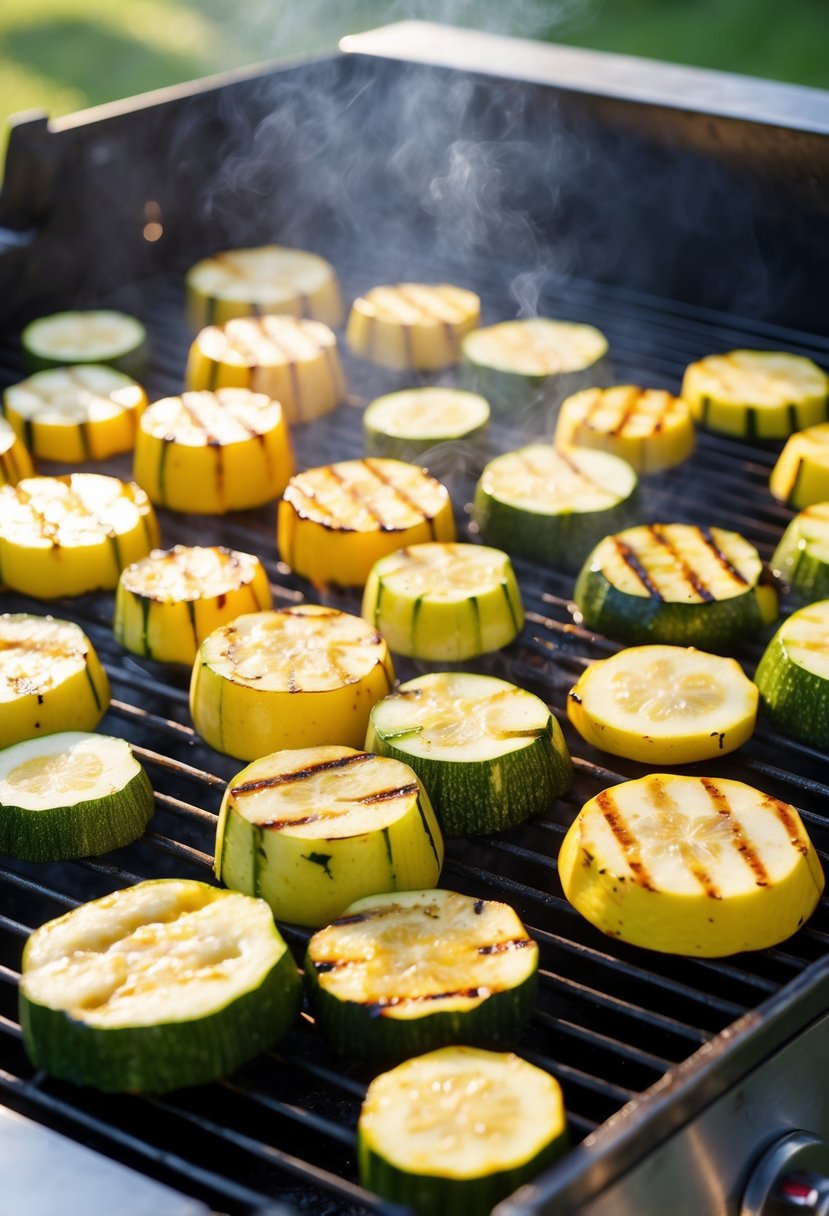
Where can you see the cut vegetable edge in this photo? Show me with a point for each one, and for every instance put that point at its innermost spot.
(96, 336)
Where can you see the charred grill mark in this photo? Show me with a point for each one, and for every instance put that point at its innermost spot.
(662, 417)
(300, 774)
(707, 536)
(784, 813)
(577, 472)
(397, 490)
(389, 1002)
(628, 409)
(688, 573)
(514, 943)
(627, 841)
(743, 846)
(295, 491)
(276, 825)
(663, 801)
(631, 560)
(356, 497)
(388, 795)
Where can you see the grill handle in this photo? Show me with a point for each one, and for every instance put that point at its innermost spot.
(790, 1179)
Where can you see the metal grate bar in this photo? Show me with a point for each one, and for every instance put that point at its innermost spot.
(306, 1119)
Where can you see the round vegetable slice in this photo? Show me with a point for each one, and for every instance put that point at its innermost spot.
(444, 602)
(407, 424)
(459, 1129)
(793, 676)
(647, 427)
(691, 865)
(95, 336)
(291, 678)
(73, 534)
(800, 478)
(399, 974)
(414, 326)
(164, 984)
(664, 705)
(51, 679)
(801, 559)
(71, 795)
(759, 394)
(313, 829)
(15, 461)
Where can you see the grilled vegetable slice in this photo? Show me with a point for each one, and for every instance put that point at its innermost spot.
(691, 865)
(68, 535)
(553, 504)
(444, 602)
(313, 829)
(291, 678)
(458, 1129)
(292, 361)
(210, 453)
(71, 414)
(793, 676)
(97, 336)
(51, 679)
(801, 559)
(412, 326)
(399, 974)
(800, 478)
(15, 461)
(164, 984)
(336, 521)
(168, 603)
(404, 425)
(489, 754)
(71, 795)
(761, 394)
(676, 583)
(268, 279)
(647, 427)
(664, 705)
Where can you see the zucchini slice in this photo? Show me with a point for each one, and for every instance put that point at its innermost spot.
(72, 794)
(676, 583)
(553, 504)
(664, 705)
(691, 865)
(412, 326)
(444, 602)
(294, 677)
(407, 424)
(210, 453)
(793, 676)
(96, 336)
(167, 603)
(647, 427)
(313, 829)
(801, 559)
(759, 394)
(490, 755)
(291, 360)
(800, 478)
(51, 679)
(163, 984)
(459, 1129)
(336, 521)
(15, 460)
(73, 534)
(72, 414)
(399, 974)
(268, 279)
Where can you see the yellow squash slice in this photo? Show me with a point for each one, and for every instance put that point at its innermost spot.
(15, 461)
(801, 476)
(412, 326)
(647, 427)
(691, 865)
(759, 394)
(336, 521)
(68, 535)
(297, 677)
(167, 603)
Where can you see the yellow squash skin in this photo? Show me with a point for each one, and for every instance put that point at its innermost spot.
(648, 428)
(758, 394)
(412, 326)
(15, 461)
(800, 477)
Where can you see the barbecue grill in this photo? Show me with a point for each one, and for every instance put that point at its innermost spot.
(683, 213)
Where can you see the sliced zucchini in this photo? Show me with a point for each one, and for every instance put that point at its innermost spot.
(51, 679)
(407, 424)
(553, 504)
(793, 676)
(445, 602)
(72, 794)
(399, 974)
(647, 427)
(691, 865)
(759, 394)
(489, 754)
(664, 705)
(15, 460)
(292, 361)
(800, 478)
(163, 984)
(458, 1129)
(313, 829)
(336, 521)
(412, 326)
(296, 677)
(801, 559)
(96, 336)
(676, 583)
(167, 603)
(71, 414)
(268, 279)
(73, 534)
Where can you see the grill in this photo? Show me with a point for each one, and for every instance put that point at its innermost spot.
(564, 189)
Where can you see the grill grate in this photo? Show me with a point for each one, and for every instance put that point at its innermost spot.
(611, 1019)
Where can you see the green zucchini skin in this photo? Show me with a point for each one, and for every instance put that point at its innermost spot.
(794, 699)
(798, 565)
(511, 394)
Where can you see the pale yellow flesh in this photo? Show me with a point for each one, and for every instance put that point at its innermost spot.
(427, 413)
(801, 475)
(87, 337)
(536, 346)
(540, 478)
(267, 279)
(679, 560)
(412, 325)
(649, 428)
(761, 379)
(805, 637)
(64, 769)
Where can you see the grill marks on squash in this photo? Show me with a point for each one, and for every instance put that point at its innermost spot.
(677, 562)
(381, 492)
